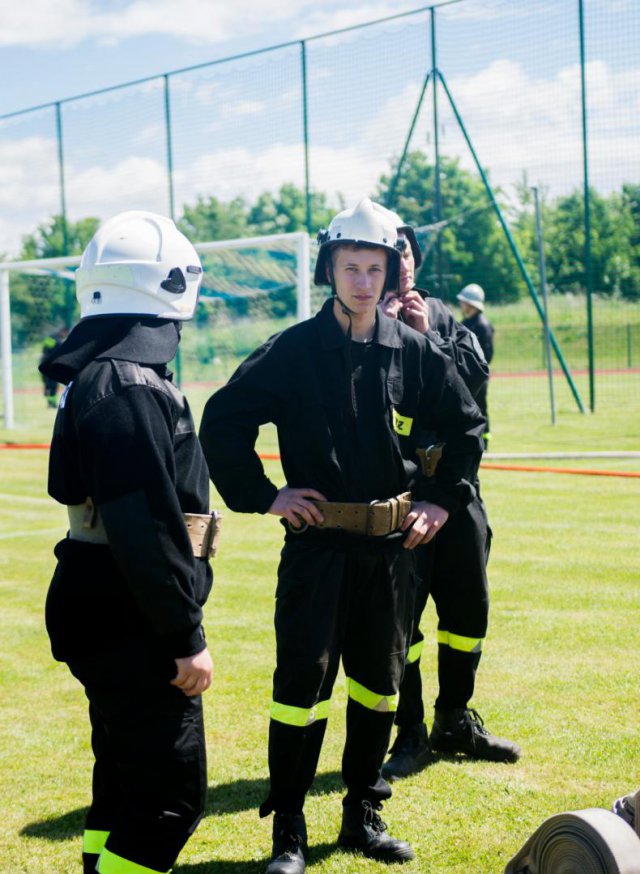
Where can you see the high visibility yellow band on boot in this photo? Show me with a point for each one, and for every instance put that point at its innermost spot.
(299, 716)
(93, 841)
(371, 700)
(110, 863)
(459, 642)
(415, 652)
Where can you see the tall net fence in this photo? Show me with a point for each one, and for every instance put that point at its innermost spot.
(450, 115)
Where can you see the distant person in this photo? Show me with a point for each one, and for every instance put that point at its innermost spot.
(451, 569)
(51, 344)
(124, 608)
(472, 305)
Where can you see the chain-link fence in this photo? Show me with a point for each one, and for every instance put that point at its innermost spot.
(449, 114)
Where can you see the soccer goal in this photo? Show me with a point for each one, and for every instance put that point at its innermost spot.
(252, 288)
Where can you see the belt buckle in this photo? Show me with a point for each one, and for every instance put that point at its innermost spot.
(372, 505)
(297, 530)
(211, 526)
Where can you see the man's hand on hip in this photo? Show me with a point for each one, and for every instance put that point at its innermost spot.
(297, 507)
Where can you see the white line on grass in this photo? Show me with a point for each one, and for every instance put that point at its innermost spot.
(39, 533)
(27, 500)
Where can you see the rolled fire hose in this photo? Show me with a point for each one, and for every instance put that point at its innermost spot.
(592, 841)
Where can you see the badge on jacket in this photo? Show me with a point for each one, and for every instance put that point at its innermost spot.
(401, 424)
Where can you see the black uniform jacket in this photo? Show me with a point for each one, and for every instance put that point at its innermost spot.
(480, 325)
(124, 436)
(456, 341)
(302, 380)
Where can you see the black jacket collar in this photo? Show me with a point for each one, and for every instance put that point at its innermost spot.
(126, 338)
(331, 336)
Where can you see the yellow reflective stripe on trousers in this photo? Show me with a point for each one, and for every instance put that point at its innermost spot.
(415, 652)
(93, 841)
(371, 700)
(109, 863)
(457, 641)
(299, 716)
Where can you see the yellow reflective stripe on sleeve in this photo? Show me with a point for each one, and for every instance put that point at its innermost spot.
(415, 652)
(401, 424)
(299, 716)
(371, 700)
(109, 863)
(93, 841)
(457, 641)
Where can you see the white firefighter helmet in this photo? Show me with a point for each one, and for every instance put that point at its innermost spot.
(138, 263)
(367, 224)
(405, 230)
(472, 294)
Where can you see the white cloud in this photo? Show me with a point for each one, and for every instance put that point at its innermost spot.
(69, 22)
(517, 121)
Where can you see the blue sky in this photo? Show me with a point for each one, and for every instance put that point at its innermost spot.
(513, 66)
(54, 50)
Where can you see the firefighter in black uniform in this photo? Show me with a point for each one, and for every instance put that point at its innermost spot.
(348, 391)
(452, 568)
(124, 608)
(472, 305)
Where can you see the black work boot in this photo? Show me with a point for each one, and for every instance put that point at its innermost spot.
(410, 753)
(289, 844)
(362, 829)
(463, 731)
(626, 809)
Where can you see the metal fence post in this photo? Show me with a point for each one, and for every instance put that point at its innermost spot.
(587, 214)
(68, 295)
(545, 300)
(437, 192)
(305, 133)
(5, 344)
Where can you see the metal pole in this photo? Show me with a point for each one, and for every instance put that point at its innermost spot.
(389, 200)
(437, 193)
(5, 344)
(512, 245)
(629, 355)
(305, 132)
(588, 268)
(68, 295)
(545, 299)
(172, 208)
(167, 127)
(303, 278)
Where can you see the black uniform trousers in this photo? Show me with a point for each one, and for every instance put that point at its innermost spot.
(150, 773)
(356, 601)
(452, 569)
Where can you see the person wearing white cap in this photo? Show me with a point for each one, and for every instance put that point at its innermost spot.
(349, 390)
(472, 305)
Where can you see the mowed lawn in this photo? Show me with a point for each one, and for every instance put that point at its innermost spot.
(559, 673)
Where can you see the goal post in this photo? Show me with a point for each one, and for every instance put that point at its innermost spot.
(252, 288)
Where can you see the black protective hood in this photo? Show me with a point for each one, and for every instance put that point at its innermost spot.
(126, 338)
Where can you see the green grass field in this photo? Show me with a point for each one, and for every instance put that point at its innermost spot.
(559, 674)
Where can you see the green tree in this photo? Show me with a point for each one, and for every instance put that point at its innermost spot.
(43, 303)
(211, 219)
(286, 212)
(614, 258)
(471, 247)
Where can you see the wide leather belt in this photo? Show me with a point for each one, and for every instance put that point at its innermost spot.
(372, 520)
(592, 841)
(85, 524)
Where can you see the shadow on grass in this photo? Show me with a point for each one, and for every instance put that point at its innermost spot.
(317, 853)
(232, 797)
